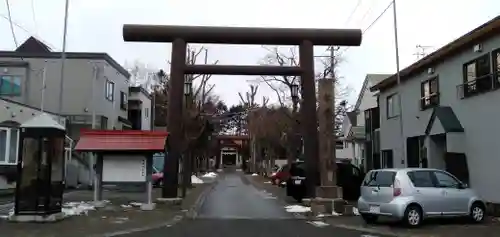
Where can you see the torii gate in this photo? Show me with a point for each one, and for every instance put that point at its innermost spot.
(179, 36)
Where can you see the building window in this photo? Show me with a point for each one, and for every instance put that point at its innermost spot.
(110, 90)
(387, 159)
(346, 144)
(392, 106)
(123, 100)
(146, 112)
(9, 142)
(496, 64)
(10, 85)
(429, 91)
(477, 77)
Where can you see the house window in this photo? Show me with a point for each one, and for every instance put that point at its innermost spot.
(429, 92)
(110, 90)
(387, 159)
(9, 142)
(10, 85)
(123, 100)
(346, 144)
(392, 106)
(477, 77)
(496, 64)
(146, 112)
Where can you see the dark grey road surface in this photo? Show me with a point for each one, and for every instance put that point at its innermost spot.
(236, 208)
(235, 198)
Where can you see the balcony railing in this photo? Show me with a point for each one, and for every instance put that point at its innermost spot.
(482, 84)
(429, 101)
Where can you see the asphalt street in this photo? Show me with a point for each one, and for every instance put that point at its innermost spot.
(236, 208)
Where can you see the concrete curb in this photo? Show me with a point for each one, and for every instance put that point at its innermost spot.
(367, 230)
(193, 210)
(192, 213)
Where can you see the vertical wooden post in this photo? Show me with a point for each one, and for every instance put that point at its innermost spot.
(308, 115)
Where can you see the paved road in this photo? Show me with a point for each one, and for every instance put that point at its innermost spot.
(236, 208)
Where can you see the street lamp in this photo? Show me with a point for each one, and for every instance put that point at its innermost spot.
(186, 163)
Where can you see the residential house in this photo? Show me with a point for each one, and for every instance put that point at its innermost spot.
(139, 106)
(92, 84)
(359, 128)
(30, 76)
(449, 111)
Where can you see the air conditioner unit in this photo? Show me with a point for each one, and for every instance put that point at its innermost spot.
(430, 70)
(478, 48)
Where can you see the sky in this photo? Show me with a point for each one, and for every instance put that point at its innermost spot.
(96, 26)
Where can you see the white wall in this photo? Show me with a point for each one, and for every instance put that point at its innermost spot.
(124, 168)
(146, 109)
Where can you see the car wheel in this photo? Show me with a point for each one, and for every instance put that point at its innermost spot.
(477, 212)
(369, 219)
(413, 216)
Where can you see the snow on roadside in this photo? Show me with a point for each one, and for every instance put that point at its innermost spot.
(209, 175)
(255, 174)
(77, 208)
(196, 180)
(297, 209)
(355, 211)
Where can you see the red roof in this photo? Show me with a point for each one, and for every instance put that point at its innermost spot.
(121, 140)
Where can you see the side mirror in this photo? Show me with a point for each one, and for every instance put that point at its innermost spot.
(463, 186)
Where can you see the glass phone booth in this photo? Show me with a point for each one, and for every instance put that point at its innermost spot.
(40, 183)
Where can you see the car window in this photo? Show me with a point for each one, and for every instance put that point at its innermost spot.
(421, 179)
(444, 180)
(298, 169)
(379, 179)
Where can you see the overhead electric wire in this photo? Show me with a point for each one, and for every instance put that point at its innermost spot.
(353, 11)
(372, 23)
(10, 23)
(34, 15)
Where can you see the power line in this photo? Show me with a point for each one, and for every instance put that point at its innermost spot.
(29, 32)
(10, 23)
(353, 11)
(372, 23)
(34, 16)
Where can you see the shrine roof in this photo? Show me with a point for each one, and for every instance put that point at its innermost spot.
(121, 140)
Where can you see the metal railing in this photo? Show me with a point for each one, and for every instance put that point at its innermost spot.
(480, 85)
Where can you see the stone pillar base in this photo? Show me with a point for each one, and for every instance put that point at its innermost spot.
(169, 201)
(329, 192)
(37, 218)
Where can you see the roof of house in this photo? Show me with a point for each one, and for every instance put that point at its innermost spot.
(370, 80)
(121, 140)
(33, 48)
(140, 89)
(447, 118)
(487, 30)
(352, 116)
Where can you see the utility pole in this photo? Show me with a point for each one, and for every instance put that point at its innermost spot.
(63, 60)
(92, 175)
(44, 79)
(398, 77)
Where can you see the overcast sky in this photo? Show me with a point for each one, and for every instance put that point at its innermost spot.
(96, 26)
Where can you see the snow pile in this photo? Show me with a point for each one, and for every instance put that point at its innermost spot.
(318, 223)
(297, 209)
(196, 180)
(255, 174)
(209, 175)
(267, 182)
(77, 208)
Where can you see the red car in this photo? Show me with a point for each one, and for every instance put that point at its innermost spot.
(157, 179)
(280, 175)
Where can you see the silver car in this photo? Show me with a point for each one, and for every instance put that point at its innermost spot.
(412, 194)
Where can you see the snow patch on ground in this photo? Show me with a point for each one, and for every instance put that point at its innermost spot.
(196, 180)
(318, 223)
(77, 208)
(209, 175)
(255, 174)
(297, 209)
(267, 182)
